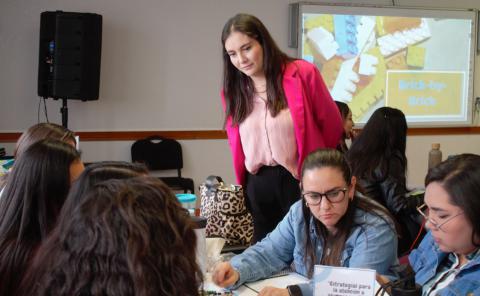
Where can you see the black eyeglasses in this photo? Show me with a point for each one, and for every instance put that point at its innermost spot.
(313, 198)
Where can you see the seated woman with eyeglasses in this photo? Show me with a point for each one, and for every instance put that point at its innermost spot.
(331, 225)
(447, 262)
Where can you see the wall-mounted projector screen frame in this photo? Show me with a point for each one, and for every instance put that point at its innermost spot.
(419, 60)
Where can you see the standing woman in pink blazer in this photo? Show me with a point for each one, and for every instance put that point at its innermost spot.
(277, 110)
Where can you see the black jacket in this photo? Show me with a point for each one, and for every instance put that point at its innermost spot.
(390, 190)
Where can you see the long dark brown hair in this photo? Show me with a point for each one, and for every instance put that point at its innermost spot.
(126, 237)
(238, 88)
(383, 137)
(37, 132)
(35, 192)
(344, 110)
(40, 131)
(334, 242)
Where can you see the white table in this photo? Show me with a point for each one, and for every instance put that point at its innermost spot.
(252, 289)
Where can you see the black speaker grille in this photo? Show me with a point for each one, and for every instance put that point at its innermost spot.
(69, 55)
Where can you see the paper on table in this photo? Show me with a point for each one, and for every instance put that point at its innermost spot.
(214, 248)
(210, 287)
(279, 281)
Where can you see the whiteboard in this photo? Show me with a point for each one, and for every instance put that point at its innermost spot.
(418, 60)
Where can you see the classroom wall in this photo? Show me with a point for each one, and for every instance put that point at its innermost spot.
(161, 70)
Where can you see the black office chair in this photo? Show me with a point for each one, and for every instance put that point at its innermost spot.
(159, 153)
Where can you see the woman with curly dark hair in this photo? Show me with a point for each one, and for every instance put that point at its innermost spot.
(126, 237)
(95, 173)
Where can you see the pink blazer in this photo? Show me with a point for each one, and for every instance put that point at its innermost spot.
(315, 116)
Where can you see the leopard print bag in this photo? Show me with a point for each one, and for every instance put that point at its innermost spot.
(226, 213)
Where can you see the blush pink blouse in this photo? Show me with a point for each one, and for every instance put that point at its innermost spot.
(316, 120)
(267, 140)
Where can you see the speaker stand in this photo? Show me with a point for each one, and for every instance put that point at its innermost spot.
(64, 111)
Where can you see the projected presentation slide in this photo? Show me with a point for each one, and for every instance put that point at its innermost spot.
(421, 65)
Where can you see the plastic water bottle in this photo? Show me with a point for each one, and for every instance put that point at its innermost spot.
(188, 201)
(434, 156)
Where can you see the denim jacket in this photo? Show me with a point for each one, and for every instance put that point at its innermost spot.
(426, 259)
(372, 244)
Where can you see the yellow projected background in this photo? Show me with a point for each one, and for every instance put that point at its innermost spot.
(425, 93)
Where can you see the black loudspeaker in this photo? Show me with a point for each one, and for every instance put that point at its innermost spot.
(69, 55)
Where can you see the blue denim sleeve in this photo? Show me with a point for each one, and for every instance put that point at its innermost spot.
(423, 258)
(272, 254)
(375, 247)
(425, 247)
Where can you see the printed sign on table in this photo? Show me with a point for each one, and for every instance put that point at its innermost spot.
(343, 281)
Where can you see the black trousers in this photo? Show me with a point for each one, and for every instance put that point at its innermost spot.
(270, 193)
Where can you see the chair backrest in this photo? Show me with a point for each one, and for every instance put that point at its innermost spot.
(158, 153)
